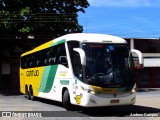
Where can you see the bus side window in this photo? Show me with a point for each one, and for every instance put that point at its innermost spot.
(32, 60)
(46, 61)
(61, 55)
(25, 65)
(43, 57)
(52, 56)
(63, 60)
(23, 62)
(29, 61)
(38, 63)
(37, 59)
(75, 59)
(77, 67)
(52, 60)
(31, 64)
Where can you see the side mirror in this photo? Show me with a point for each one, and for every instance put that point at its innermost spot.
(82, 55)
(139, 63)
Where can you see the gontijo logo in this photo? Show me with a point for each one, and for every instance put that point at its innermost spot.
(32, 73)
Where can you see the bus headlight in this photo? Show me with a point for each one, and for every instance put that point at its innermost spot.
(133, 90)
(92, 92)
(89, 90)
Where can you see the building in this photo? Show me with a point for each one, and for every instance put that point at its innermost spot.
(10, 62)
(149, 76)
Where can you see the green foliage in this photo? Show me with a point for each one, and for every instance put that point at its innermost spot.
(25, 30)
(44, 19)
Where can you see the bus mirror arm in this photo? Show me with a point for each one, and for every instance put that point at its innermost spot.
(82, 55)
(140, 56)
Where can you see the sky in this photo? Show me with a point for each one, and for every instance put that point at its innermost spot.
(123, 18)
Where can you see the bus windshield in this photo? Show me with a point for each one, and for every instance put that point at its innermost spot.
(108, 65)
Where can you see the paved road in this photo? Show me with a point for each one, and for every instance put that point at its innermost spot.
(147, 104)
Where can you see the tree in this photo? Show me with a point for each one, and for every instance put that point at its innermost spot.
(43, 19)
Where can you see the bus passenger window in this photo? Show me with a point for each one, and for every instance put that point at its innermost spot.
(63, 60)
(61, 55)
(38, 62)
(46, 62)
(52, 61)
(31, 64)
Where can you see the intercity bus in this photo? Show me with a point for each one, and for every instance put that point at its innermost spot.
(89, 70)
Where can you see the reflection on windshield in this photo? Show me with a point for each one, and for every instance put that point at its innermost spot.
(108, 65)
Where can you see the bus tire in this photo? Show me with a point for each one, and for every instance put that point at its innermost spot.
(31, 95)
(28, 95)
(66, 100)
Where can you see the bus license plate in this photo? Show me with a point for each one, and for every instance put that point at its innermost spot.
(114, 101)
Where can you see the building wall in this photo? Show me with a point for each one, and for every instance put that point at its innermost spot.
(149, 46)
(148, 77)
(9, 72)
(14, 76)
(5, 68)
(5, 75)
(9, 66)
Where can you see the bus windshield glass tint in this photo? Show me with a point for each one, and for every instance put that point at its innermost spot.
(108, 65)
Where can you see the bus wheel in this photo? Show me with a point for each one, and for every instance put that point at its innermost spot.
(28, 95)
(31, 95)
(66, 100)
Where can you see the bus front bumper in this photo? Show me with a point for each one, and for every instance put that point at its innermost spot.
(90, 100)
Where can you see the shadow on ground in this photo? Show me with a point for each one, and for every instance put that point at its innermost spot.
(120, 111)
(114, 111)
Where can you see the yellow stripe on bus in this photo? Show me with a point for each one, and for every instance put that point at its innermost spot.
(104, 90)
(44, 46)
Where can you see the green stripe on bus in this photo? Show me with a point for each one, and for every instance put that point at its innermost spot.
(48, 78)
(57, 43)
(49, 73)
(44, 77)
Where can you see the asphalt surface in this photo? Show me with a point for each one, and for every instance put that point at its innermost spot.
(147, 107)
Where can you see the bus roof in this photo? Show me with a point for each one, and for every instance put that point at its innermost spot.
(81, 37)
(94, 37)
